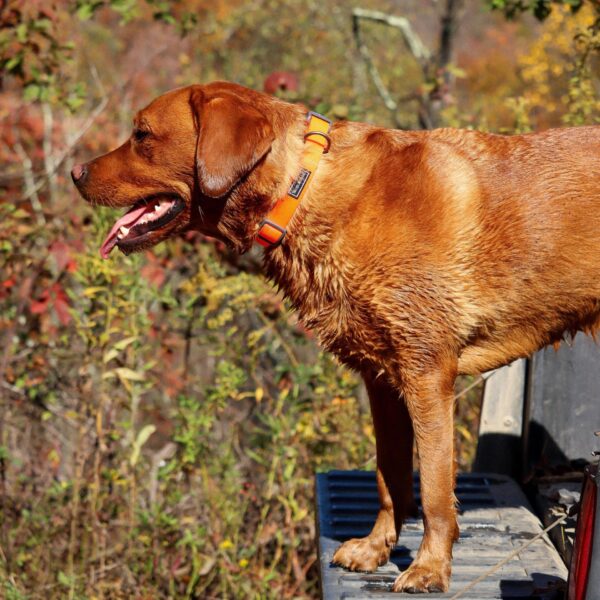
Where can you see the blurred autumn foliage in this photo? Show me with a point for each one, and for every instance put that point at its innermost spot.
(162, 415)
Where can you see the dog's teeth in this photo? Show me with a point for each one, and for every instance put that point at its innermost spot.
(123, 230)
(119, 236)
(157, 207)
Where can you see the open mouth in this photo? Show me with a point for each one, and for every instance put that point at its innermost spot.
(138, 224)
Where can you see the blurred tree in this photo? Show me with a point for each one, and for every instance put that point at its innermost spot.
(437, 69)
(556, 70)
(560, 69)
(35, 49)
(540, 8)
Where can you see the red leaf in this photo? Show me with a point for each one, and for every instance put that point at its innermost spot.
(37, 307)
(176, 563)
(154, 274)
(62, 311)
(62, 255)
(55, 298)
(61, 304)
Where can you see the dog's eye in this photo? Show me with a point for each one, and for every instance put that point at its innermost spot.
(140, 134)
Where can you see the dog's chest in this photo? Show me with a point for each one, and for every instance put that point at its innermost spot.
(346, 329)
(330, 303)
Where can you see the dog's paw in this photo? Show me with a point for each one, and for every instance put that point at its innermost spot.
(364, 554)
(420, 578)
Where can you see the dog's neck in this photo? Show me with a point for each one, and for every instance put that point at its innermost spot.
(317, 142)
(238, 217)
(311, 264)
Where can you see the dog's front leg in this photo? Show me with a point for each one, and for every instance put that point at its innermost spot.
(394, 439)
(430, 402)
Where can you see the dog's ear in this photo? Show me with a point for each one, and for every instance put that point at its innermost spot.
(233, 136)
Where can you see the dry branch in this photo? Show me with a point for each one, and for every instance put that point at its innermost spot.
(31, 188)
(431, 65)
(412, 40)
(411, 37)
(373, 71)
(34, 188)
(73, 141)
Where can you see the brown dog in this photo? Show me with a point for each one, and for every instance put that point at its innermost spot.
(414, 255)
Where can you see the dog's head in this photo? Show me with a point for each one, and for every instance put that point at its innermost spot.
(200, 157)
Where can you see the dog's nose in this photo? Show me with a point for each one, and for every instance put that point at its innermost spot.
(78, 173)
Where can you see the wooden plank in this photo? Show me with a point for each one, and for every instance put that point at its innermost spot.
(499, 449)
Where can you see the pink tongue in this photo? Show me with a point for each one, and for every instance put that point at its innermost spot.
(129, 218)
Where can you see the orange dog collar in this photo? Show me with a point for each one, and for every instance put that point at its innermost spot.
(274, 227)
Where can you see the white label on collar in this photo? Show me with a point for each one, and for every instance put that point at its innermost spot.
(299, 183)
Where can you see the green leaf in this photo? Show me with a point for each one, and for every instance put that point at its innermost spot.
(93, 290)
(122, 344)
(22, 33)
(109, 355)
(32, 92)
(74, 102)
(456, 71)
(124, 373)
(64, 579)
(142, 437)
(85, 12)
(14, 62)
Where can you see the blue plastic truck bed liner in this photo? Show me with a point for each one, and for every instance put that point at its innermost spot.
(495, 518)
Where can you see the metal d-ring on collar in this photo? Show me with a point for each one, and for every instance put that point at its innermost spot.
(325, 136)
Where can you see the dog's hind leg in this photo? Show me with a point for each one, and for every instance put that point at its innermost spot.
(394, 439)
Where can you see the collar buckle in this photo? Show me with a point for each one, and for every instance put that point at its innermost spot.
(270, 234)
(308, 138)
